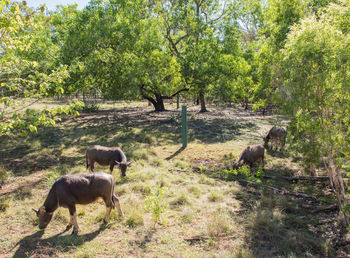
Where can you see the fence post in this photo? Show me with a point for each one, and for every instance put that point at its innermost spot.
(184, 126)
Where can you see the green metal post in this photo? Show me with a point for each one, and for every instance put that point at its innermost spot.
(184, 126)
(84, 98)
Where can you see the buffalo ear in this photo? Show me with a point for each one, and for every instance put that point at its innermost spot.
(129, 164)
(42, 209)
(36, 211)
(117, 163)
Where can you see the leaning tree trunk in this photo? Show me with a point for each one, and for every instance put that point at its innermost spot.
(157, 103)
(202, 100)
(337, 183)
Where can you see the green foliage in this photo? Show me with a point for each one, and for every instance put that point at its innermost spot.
(28, 68)
(156, 203)
(242, 172)
(317, 64)
(317, 84)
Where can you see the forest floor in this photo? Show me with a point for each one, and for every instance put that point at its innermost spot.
(207, 214)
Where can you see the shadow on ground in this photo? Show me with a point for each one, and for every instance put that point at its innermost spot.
(34, 246)
(277, 224)
(128, 128)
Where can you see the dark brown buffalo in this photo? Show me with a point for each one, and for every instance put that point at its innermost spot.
(250, 155)
(276, 135)
(106, 156)
(70, 190)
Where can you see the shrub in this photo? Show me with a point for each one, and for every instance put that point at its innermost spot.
(156, 204)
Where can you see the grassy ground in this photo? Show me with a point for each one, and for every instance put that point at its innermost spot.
(234, 218)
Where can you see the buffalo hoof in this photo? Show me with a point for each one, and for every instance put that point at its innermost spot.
(68, 227)
(75, 231)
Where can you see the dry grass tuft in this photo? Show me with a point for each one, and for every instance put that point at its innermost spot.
(218, 223)
(180, 199)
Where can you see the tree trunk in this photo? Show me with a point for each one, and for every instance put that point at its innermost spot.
(157, 103)
(336, 179)
(202, 100)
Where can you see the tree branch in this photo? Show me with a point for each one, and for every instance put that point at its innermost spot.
(173, 95)
(181, 38)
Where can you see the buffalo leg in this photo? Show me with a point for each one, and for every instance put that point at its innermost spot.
(108, 212)
(116, 202)
(111, 167)
(262, 164)
(73, 214)
(92, 165)
(71, 222)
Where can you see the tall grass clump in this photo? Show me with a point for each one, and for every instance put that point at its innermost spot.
(134, 217)
(218, 223)
(214, 196)
(4, 174)
(181, 199)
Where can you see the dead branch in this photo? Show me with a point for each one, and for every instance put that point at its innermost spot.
(325, 221)
(201, 237)
(320, 208)
(282, 191)
(293, 178)
(325, 208)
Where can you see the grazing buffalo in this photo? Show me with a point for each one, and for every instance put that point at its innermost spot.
(276, 135)
(250, 155)
(70, 190)
(112, 156)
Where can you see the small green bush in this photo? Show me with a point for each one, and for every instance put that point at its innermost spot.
(156, 204)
